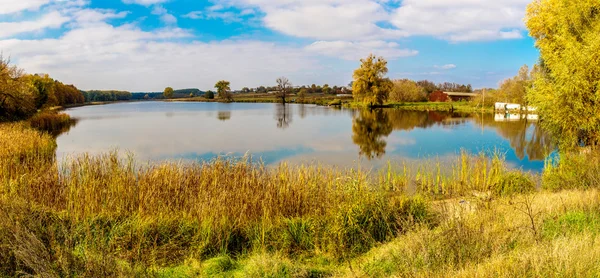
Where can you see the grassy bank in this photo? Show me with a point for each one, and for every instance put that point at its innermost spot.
(462, 106)
(318, 99)
(111, 216)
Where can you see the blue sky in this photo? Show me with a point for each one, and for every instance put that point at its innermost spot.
(146, 45)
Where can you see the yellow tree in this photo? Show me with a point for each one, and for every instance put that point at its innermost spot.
(566, 86)
(370, 84)
(168, 93)
(17, 93)
(223, 90)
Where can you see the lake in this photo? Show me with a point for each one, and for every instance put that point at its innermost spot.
(157, 131)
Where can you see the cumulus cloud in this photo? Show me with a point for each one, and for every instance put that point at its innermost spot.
(13, 6)
(462, 20)
(352, 20)
(50, 20)
(355, 50)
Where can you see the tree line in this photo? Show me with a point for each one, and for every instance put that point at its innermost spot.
(22, 95)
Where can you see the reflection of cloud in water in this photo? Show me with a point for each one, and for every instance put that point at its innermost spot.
(323, 135)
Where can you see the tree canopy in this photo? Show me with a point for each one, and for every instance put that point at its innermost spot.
(370, 84)
(168, 92)
(284, 86)
(223, 90)
(566, 86)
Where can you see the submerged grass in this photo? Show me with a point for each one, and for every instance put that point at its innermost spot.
(108, 216)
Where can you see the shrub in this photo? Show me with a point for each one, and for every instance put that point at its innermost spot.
(335, 102)
(572, 171)
(513, 183)
(438, 96)
(52, 122)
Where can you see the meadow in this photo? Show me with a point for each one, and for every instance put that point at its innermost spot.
(111, 215)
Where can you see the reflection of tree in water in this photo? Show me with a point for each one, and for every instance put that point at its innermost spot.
(369, 131)
(283, 115)
(409, 120)
(536, 145)
(302, 111)
(224, 115)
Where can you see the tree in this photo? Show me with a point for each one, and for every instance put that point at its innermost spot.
(245, 90)
(514, 89)
(168, 93)
(209, 95)
(146, 97)
(283, 88)
(370, 84)
(223, 90)
(406, 90)
(16, 93)
(302, 95)
(566, 87)
(326, 89)
(428, 86)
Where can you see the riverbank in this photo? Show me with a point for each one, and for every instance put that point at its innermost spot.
(466, 107)
(108, 216)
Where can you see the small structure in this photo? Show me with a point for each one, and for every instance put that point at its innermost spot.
(501, 106)
(460, 96)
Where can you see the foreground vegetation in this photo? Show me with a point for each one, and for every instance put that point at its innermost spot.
(106, 215)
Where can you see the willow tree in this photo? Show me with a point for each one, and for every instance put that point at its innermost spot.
(370, 85)
(566, 88)
(223, 90)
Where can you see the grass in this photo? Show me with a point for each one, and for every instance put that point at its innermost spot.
(108, 215)
(461, 106)
(52, 122)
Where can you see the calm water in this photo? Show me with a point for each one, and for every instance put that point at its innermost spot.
(297, 134)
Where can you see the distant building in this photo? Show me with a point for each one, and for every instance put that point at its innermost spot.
(458, 96)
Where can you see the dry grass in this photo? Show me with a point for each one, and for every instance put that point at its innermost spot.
(108, 216)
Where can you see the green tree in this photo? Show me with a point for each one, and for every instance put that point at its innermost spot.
(566, 87)
(168, 93)
(370, 84)
(406, 90)
(209, 95)
(302, 95)
(326, 89)
(223, 90)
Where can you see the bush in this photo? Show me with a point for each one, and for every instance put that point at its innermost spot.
(406, 90)
(52, 122)
(335, 102)
(573, 171)
(209, 95)
(514, 183)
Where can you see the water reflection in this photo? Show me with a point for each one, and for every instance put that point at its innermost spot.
(283, 115)
(300, 134)
(369, 131)
(224, 115)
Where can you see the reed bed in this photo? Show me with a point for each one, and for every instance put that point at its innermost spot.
(108, 215)
(52, 122)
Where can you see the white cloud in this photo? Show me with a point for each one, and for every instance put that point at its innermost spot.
(355, 50)
(164, 15)
(353, 20)
(462, 20)
(324, 19)
(50, 20)
(13, 6)
(102, 56)
(445, 67)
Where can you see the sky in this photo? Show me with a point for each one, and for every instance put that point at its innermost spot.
(147, 45)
